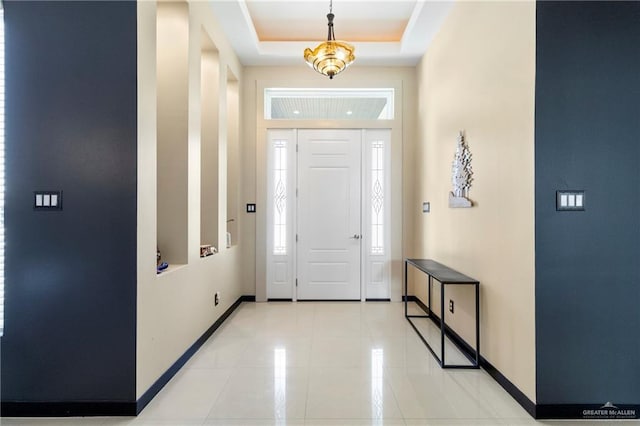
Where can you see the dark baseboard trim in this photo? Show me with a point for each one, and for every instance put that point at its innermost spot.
(279, 300)
(511, 389)
(462, 344)
(113, 408)
(419, 303)
(180, 362)
(466, 348)
(66, 409)
(377, 300)
(329, 300)
(506, 384)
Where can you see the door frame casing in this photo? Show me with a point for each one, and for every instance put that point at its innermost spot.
(398, 127)
(284, 265)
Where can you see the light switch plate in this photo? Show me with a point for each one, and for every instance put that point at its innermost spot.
(570, 200)
(426, 207)
(47, 200)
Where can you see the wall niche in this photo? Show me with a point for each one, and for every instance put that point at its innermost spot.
(209, 146)
(233, 130)
(172, 131)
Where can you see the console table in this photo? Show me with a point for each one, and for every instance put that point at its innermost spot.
(445, 276)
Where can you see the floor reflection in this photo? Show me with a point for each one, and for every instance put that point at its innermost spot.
(280, 383)
(377, 393)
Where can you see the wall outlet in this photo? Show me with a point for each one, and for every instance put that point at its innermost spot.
(450, 305)
(216, 299)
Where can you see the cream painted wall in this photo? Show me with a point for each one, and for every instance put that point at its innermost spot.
(256, 79)
(479, 76)
(177, 307)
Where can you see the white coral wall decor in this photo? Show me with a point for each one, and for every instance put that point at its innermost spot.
(461, 175)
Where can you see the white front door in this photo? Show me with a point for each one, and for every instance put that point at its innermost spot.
(329, 215)
(342, 178)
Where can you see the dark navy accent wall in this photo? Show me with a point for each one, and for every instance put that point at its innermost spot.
(588, 263)
(70, 275)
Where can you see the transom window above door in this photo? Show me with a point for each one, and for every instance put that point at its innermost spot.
(328, 104)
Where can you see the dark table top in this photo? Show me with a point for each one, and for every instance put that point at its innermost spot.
(442, 273)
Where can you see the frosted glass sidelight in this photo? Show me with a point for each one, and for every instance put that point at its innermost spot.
(377, 198)
(280, 198)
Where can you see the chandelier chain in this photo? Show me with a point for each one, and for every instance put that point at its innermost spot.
(330, 57)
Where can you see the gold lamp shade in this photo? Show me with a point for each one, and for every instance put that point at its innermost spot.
(331, 57)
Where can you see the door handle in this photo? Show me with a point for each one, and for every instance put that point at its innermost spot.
(355, 237)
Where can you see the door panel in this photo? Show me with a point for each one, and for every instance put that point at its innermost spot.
(329, 216)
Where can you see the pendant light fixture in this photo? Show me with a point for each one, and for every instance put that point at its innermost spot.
(331, 57)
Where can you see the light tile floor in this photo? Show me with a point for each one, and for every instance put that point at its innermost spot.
(319, 364)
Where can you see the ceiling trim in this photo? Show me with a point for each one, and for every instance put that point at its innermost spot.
(248, 21)
(237, 24)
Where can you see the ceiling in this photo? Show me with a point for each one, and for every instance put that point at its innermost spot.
(384, 32)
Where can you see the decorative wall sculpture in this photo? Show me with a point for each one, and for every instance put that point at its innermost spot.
(462, 175)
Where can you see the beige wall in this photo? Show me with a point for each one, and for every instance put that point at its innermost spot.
(478, 76)
(256, 79)
(177, 307)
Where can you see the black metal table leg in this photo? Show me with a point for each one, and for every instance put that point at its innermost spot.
(429, 295)
(406, 289)
(442, 361)
(477, 325)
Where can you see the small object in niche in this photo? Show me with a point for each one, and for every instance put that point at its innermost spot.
(207, 250)
(160, 265)
(462, 175)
